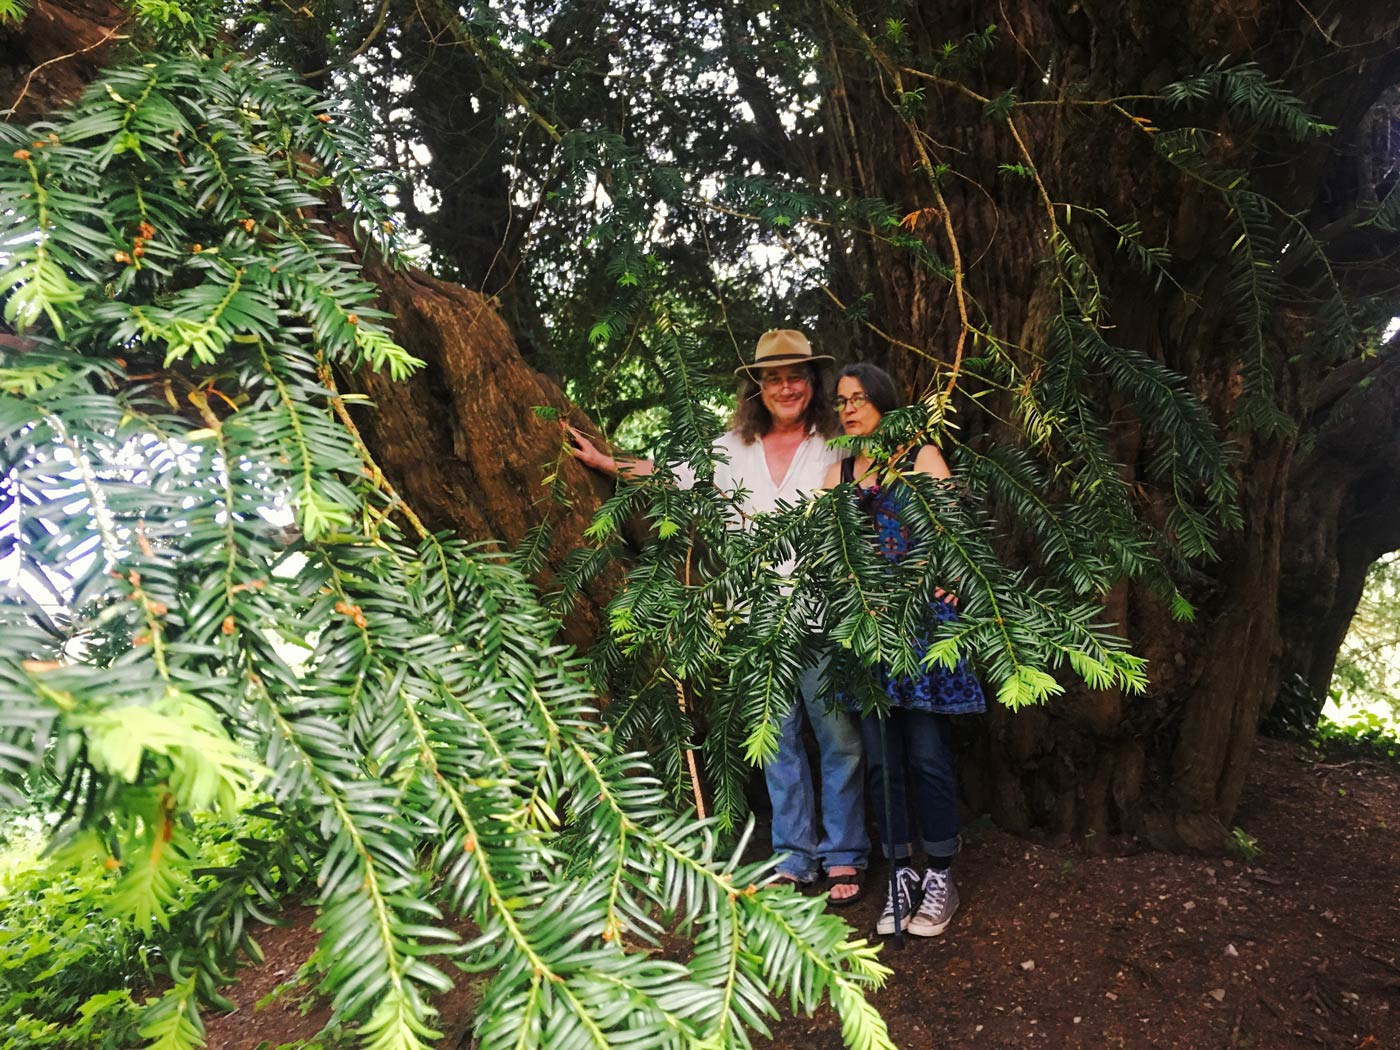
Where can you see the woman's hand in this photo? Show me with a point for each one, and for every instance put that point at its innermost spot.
(946, 596)
(587, 453)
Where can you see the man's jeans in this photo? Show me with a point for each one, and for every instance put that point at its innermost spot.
(842, 839)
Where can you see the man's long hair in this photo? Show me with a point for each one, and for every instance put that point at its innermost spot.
(753, 420)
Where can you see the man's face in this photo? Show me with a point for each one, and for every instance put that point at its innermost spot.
(786, 392)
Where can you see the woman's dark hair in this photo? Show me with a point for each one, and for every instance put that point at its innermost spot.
(877, 384)
(753, 420)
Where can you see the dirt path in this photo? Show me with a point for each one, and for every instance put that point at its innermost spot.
(1052, 948)
(1298, 948)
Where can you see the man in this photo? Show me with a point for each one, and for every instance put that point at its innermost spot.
(777, 451)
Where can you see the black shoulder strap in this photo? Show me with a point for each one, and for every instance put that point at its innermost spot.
(848, 469)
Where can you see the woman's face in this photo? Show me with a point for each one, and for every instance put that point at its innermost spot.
(858, 416)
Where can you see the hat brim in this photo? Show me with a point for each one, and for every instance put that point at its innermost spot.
(777, 361)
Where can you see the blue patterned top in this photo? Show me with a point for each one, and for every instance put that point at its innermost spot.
(938, 690)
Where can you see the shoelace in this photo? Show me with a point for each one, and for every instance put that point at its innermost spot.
(935, 894)
(905, 888)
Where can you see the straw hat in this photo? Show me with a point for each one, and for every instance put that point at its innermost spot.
(781, 346)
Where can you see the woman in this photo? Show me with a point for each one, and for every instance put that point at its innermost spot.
(916, 727)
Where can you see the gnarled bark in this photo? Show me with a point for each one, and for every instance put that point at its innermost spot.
(460, 439)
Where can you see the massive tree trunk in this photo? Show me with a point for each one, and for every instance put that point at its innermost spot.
(1318, 505)
(52, 55)
(1342, 515)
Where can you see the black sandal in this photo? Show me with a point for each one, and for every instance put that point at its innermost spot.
(857, 880)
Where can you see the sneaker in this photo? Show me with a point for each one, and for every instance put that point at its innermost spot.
(907, 885)
(940, 900)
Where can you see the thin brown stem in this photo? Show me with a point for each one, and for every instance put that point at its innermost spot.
(375, 472)
(381, 19)
(107, 37)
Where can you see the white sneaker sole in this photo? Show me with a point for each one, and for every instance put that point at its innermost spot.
(886, 926)
(928, 929)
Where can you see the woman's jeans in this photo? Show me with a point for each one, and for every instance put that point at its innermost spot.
(918, 741)
(841, 840)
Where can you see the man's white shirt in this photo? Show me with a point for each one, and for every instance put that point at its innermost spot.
(747, 469)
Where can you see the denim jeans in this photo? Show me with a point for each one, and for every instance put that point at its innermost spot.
(918, 740)
(841, 840)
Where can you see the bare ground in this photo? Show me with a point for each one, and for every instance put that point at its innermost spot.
(1298, 947)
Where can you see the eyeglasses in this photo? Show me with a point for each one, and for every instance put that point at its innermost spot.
(854, 401)
(778, 382)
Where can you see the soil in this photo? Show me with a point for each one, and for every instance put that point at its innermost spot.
(1298, 946)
